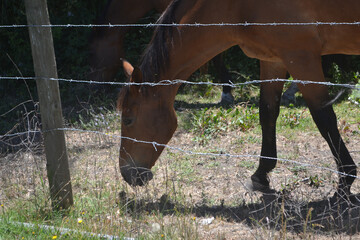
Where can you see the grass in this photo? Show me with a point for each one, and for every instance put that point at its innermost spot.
(97, 207)
(93, 212)
(186, 188)
(13, 230)
(208, 123)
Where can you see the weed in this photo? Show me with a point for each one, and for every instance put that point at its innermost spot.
(355, 95)
(292, 117)
(210, 122)
(315, 181)
(243, 117)
(207, 123)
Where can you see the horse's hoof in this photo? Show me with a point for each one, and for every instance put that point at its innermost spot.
(287, 99)
(227, 99)
(254, 185)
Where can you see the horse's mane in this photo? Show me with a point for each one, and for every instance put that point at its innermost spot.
(155, 57)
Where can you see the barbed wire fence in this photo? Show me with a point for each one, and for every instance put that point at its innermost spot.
(244, 24)
(30, 138)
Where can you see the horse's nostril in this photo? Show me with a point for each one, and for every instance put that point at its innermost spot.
(136, 176)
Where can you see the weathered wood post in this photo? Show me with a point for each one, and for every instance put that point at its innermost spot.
(50, 105)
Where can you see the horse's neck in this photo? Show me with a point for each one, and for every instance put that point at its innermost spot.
(191, 47)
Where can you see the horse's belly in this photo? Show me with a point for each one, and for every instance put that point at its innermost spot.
(260, 53)
(340, 40)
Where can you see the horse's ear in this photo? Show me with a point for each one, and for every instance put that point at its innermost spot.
(136, 75)
(128, 68)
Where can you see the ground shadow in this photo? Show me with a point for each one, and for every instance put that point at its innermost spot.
(273, 211)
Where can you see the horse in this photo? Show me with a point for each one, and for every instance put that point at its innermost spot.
(147, 112)
(107, 44)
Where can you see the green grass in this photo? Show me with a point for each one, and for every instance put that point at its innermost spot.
(207, 123)
(13, 230)
(97, 206)
(91, 213)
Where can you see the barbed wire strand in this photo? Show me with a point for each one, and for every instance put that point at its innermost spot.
(179, 81)
(189, 152)
(150, 25)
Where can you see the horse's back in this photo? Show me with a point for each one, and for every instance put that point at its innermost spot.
(340, 37)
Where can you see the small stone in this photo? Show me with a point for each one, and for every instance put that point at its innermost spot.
(206, 221)
(155, 227)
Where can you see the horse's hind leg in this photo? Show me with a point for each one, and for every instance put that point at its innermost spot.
(308, 67)
(270, 96)
(224, 77)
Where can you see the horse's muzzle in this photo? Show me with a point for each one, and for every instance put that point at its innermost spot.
(136, 176)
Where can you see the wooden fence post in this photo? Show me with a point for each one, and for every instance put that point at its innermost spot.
(50, 105)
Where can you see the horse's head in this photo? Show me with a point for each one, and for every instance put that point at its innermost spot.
(147, 118)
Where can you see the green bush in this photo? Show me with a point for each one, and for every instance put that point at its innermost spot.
(355, 94)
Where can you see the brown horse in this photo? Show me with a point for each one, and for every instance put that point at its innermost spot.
(107, 44)
(175, 52)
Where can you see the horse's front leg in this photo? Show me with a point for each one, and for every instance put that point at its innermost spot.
(270, 96)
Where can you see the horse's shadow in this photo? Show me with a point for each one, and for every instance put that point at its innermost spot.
(273, 211)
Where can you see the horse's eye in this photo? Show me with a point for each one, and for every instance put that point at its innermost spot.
(127, 121)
